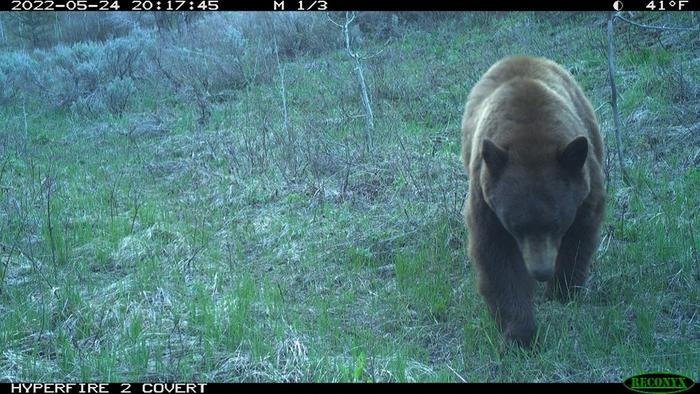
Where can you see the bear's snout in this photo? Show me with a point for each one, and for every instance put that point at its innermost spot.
(542, 275)
(540, 256)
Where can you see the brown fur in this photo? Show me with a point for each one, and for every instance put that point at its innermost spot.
(533, 152)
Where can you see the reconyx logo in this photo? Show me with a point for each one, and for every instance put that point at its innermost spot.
(658, 382)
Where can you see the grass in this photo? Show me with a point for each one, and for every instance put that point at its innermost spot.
(241, 253)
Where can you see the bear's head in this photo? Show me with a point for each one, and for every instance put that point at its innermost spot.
(535, 191)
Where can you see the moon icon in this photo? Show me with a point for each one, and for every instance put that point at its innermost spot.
(617, 5)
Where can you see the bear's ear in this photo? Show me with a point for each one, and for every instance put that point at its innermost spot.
(494, 157)
(574, 155)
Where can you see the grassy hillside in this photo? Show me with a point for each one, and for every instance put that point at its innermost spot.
(149, 247)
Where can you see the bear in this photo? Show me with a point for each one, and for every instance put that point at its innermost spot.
(533, 154)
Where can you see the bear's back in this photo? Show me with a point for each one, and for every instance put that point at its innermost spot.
(541, 78)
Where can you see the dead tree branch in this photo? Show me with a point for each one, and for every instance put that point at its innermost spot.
(618, 16)
(369, 116)
(613, 99)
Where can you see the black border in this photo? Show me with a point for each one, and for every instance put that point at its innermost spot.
(389, 5)
(394, 5)
(225, 388)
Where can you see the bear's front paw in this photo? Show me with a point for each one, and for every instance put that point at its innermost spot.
(521, 334)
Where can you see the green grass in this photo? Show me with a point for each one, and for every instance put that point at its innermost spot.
(237, 252)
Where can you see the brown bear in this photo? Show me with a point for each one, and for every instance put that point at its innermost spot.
(533, 153)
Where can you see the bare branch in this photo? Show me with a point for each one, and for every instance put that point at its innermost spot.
(349, 17)
(379, 51)
(35, 264)
(618, 16)
(613, 99)
(334, 22)
(353, 14)
(346, 32)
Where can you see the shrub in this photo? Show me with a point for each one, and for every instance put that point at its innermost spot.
(19, 74)
(296, 34)
(89, 107)
(121, 57)
(69, 72)
(118, 93)
(93, 76)
(202, 64)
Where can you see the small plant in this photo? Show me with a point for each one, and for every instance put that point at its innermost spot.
(88, 107)
(118, 93)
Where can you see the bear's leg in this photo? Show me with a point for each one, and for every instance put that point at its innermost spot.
(503, 280)
(577, 248)
(509, 299)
